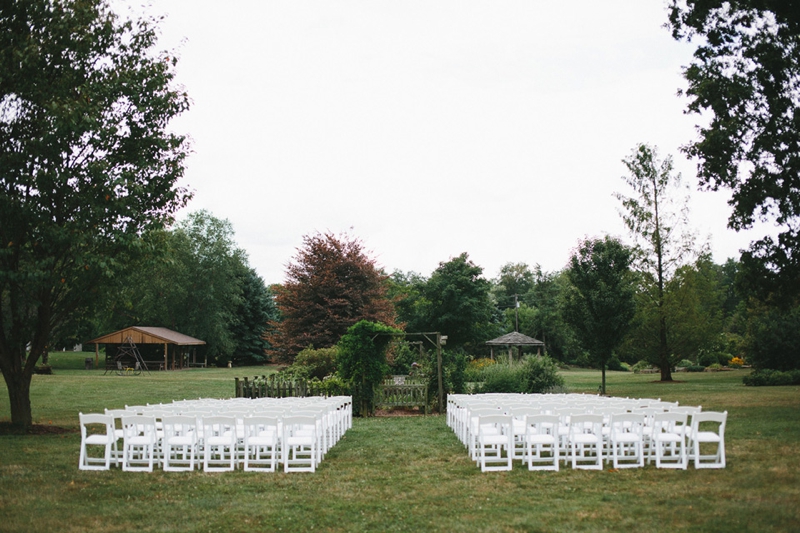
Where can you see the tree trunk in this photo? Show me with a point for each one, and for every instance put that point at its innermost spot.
(19, 388)
(663, 353)
(603, 384)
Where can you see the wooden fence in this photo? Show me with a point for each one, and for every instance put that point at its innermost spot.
(275, 387)
(402, 391)
(397, 391)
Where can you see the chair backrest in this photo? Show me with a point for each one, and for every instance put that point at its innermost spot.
(670, 422)
(542, 424)
(586, 424)
(627, 423)
(96, 419)
(256, 425)
(179, 425)
(218, 426)
(139, 426)
(711, 417)
(499, 421)
(299, 423)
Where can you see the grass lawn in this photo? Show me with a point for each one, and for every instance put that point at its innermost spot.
(400, 473)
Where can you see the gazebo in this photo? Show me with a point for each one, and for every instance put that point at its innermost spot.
(152, 335)
(513, 339)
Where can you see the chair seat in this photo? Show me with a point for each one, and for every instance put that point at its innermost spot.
(180, 441)
(707, 436)
(97, 439)
(585, 438)
(543, 438)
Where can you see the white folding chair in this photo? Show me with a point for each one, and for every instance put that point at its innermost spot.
(495, 442)
(139, 440)
(701, 434)
(586, 441)
(260, 443)
(299, 444)
(541, 442)
(519, 414)
(179, 444)
(219, 443)
(668, 440)
(96, 430)
(627, 440)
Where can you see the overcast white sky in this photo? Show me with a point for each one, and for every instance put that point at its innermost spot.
(428, 128)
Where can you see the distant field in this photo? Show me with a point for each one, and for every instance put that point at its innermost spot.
(400, 473)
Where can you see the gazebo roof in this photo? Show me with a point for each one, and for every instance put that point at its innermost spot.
(514, 339)
(147, 335)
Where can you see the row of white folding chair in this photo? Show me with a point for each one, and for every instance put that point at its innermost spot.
(619, 439)
(341, 406)
(180, 445)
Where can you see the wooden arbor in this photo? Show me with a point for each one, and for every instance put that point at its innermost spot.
(510, 340)
(182, 352)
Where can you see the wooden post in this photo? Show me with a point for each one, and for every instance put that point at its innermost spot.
(166, 364)
(96, 356)
(439, 366)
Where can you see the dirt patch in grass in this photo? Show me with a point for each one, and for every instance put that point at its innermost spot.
(7, 428)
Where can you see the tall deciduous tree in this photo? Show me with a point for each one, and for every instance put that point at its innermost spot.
(330, 285)
(87, 165)
(600, 303)
(657, 220)
(745, 77)
(457, 302)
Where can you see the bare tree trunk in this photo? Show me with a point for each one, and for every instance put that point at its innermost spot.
(663, 352)
(19, 388)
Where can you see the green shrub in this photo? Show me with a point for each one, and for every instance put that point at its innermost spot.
(474, 371)
(334, 385)
(540, 374)
(710, 358)
(768, 377)
(715, 366)
(502, 377)
(615, 364)
(401, 356)
(685, 363)
(315, 363)
(641, 365)
(695, 368)
(582, 361)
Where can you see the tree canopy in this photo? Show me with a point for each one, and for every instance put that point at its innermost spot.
(457, 302)
(744, 78)
(87, 165)
(600, 304)
(330, 285)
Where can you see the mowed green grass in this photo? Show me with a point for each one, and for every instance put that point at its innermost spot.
(400, 473)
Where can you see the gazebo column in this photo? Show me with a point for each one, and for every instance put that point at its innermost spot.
(166, 363)
(510, 354)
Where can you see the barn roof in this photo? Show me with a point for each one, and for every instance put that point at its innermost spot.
(147, 335)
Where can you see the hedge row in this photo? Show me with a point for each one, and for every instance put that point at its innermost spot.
(766, 377)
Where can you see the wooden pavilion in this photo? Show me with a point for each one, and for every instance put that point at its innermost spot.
(515, 339)
(179, 349)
